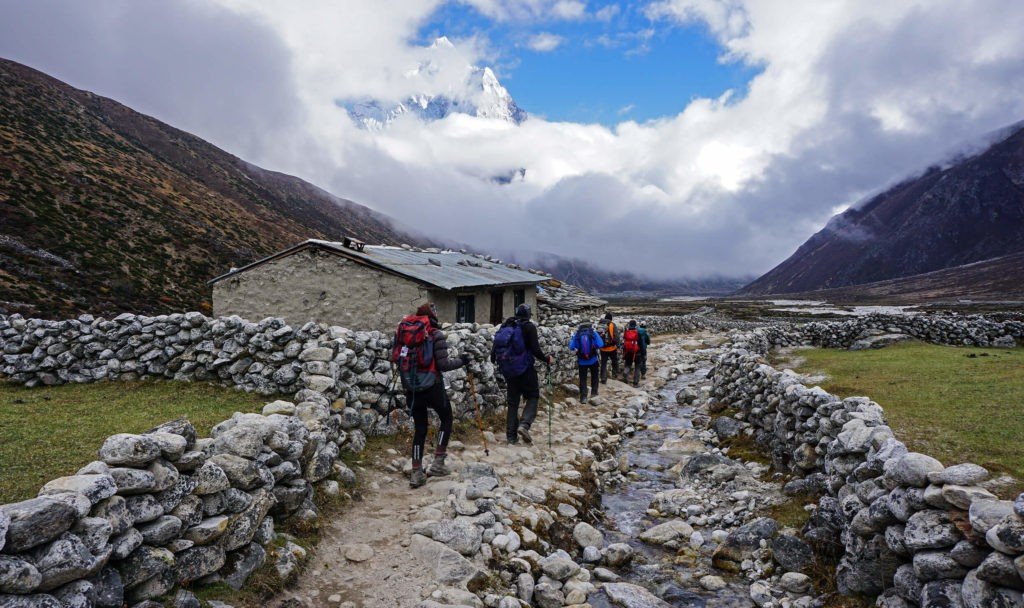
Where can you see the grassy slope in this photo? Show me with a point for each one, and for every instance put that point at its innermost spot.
(49, 432)
(956, 404)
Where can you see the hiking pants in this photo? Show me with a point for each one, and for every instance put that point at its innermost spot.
(593, 370)
(643, 363)
(434, 398)
(613, 356)
(632, 365)
(525, 386)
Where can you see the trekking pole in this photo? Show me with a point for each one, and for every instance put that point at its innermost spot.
(547, 382)
(479, 417)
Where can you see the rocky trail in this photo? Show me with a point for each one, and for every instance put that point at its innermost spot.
(634, 505)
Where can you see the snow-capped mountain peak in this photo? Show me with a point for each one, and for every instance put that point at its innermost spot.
(479, 93)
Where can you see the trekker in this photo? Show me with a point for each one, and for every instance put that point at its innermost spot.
(645, 341)
(587, 345)
(609, 333)
(515, 348)
(421, 352)
(631, 348)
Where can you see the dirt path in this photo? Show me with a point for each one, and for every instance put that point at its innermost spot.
(392, 576)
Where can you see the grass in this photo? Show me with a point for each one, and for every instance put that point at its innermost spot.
(957, 404)
(49, 432)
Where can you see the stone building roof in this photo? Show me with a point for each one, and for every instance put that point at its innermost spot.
(566, 297)
(438, 268)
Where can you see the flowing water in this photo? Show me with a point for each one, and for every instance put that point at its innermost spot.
(672, 577)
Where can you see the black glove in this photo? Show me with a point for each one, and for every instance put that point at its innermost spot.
(466, 359)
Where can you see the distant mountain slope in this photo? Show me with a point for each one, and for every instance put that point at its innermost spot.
(1000, 279)
(968, 212)
(600, 281)
(103, 209)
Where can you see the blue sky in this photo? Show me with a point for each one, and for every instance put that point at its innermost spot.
(606, 71)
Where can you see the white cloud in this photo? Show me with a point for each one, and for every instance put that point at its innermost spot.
(850, 95)
(544, 42)
(530, 10)
(626, 109)
(607, 13)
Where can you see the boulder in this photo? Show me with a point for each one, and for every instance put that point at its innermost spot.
(984, 514)
(998, 569)
(966, 474)
(941, 594)
(449, 567)
(460, 535)
(1007, 535)
(912, 469)
(792, 553)
(587, 535)
(742, 542)
(18, 575)
(197, 562)
(35, 521)
(240, 564)
(930, 529)
(93, 487)
(633, 596)
(130, 450)
(559, 566)
(62, 561)
(667, 532)
(977, 593)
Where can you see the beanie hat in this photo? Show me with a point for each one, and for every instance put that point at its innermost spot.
(632, 324)
(523, 311)
(607, 316)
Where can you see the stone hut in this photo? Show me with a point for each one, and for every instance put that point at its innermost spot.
(564, 304)
(372, 287)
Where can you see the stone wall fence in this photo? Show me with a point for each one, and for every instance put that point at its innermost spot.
(165, 507)
(904, 527)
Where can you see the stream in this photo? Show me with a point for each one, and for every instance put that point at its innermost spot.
(671, 575)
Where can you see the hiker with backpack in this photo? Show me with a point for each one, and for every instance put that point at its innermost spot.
(587, 346)
(631, 352)
(516, 346)
(645, 341)
(420, 351)
(609, 333)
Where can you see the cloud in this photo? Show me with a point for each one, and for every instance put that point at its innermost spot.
(849, 96)
(626, 109)
(607, 13)
(544, 42)
(530, 10)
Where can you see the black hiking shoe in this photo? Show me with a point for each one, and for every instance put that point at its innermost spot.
(524, 433)
(418, 478)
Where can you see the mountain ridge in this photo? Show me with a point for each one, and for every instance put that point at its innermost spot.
(969, 211)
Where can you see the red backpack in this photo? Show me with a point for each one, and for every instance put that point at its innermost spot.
(631, 342)
(413, 352)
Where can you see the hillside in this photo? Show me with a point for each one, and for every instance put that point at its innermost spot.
(968, 212)
(103, 209)
(601, 281)
(1000, 279)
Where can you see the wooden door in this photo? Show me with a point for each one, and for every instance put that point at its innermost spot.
(497, 312)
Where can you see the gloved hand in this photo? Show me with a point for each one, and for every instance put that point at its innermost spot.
(466, 359)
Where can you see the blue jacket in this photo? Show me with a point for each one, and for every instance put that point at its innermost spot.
(574, 344)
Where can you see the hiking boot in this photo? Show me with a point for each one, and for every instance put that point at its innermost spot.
(437, 468)
(524, 433)
(418, 478)
(583, 400)
(512, 440)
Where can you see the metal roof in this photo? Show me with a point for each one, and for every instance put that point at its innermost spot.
(448, 270)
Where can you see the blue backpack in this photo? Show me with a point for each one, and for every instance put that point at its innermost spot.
(510, 350)
(587, 343)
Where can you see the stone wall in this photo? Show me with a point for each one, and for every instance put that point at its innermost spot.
(906, 528)
(166, 507)
(554, 316)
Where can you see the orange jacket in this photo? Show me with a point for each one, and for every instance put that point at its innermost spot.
(612, 344)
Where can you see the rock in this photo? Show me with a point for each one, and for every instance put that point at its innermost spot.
(240, 564)
(115, 511)
(742, 542)
(795, 582)
(633, 596)
(449, 567)
(712, 582)
(525, 584)
(160, 531)
(935, 565)
(967, 554)
(998, 569)
(546, 595)
(143, 564)
(107, 588)
(172, 445)
(792, 553)
(960, 474)
(241, 472)
(984, 514)
(93, 487)
(912, 469)
(143, 508)
(5, 522)
(243, 526)
(124, 544)
(669, 531)
(38, 600)
(591, 555)
(76, 594)
(18, 575)
(930, 529)
(941, 594)
(559, 566)
(1007, 535)
(726, 427)
(761, 594)
(358, 552)
(62, 561)
(460, 535)
(618, 554)
(197, 562)
(208, 530)
(185, 599)
(35, 521)
(129, 450)
(94, 532)
(604, 574)
(961, 497)
(133, 481)
(977, 593)
(210, 479)
(587, 535)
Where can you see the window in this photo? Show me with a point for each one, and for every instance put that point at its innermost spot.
(518, 297)
(465, 309)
